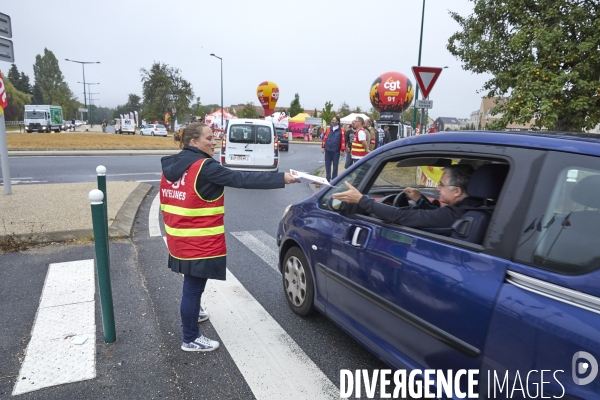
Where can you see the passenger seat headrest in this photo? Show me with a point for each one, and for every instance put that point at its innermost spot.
(587, 192)
(487, 180)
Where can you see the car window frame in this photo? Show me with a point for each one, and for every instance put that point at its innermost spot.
(498, 240)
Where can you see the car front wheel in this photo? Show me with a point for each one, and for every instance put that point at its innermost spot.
(298, 282)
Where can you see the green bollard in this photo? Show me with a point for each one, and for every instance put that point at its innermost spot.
(103, 266)
(101, 171)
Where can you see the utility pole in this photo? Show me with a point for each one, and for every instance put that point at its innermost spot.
(83, 67)
(414, 124)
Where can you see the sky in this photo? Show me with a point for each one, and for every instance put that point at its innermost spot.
(327, 50)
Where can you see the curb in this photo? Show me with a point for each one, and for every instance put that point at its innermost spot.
(120, 228)
(123, 223)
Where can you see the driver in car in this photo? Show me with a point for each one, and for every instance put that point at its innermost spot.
(452, 191)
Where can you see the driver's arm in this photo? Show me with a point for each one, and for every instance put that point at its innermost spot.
(436, 218)
(421, 201)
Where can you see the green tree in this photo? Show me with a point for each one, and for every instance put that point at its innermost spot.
(197, 108)
(50, 83)
(544, 54)
(327, 112)
(249, 111)
(16, 101)
(344, 110)
(373, 114)
(36, 97)
(408, 115)
(295, 107)
(358, 110)
(24, 85)
(164, 89)
(134, 103)
(13, 75)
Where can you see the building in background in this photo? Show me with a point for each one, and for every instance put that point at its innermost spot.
(447, 124)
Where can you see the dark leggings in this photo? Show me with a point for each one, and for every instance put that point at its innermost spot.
(193, 287)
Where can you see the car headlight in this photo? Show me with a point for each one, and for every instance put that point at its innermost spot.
(286, 211)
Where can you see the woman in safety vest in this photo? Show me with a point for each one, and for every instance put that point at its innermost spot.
(192, 199)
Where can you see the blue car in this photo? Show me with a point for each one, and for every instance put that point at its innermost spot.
(511, 289)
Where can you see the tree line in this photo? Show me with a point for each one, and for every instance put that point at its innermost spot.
(543, 58)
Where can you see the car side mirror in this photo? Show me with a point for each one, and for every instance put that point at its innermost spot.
(334, 204)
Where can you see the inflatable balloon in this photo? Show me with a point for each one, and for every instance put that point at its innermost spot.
(268, 94)
(391, 92)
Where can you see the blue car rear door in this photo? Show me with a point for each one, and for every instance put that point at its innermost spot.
(546, 323)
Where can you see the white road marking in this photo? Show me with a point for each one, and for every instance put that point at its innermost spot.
(28, 177)
(16, 182)
(261, 244)
(63, 339)
(148, 180)
(272, 363)
(153, 218)
(259, 346)
(136, 173)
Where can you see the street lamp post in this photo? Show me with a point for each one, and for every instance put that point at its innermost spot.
(90, 94)
(414, 124)
(212, 54)
(83, 66)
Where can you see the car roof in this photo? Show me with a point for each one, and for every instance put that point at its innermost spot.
(252, 121)
(582, 143)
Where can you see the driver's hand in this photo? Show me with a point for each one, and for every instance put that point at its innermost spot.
(352, 195)
(412, 193)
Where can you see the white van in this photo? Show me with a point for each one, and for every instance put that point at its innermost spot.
(250, 145)
(126, 125)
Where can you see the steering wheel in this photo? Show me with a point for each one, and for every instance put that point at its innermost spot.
(401, 200)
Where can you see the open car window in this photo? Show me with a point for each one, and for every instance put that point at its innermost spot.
(355, 178)
(385, 181)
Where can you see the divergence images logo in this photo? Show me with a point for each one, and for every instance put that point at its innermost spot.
(583, 367)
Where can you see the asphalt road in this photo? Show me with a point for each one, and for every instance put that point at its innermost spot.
(69, 169)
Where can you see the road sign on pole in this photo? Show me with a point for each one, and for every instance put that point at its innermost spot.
(426, 78)
(7, 52)
(424, 104)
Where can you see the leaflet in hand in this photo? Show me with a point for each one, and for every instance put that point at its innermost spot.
(304, 177)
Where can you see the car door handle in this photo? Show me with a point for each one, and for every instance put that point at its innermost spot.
(249, 150)
(355, 236)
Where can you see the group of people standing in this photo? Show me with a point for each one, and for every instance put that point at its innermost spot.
(356, 141)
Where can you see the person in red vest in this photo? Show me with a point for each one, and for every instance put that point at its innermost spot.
(192, 200)
(360, 145)
(333, 143)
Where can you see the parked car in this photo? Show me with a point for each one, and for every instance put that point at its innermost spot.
(510, 289)
(283, 139)
(153, 130)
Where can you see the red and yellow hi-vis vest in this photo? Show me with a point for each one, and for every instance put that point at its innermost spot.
(358, 150)
(195, 227)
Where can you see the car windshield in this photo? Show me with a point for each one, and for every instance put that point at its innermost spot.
(160, 126)
(34, 115)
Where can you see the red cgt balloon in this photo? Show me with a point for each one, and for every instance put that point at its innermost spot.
(391, 92)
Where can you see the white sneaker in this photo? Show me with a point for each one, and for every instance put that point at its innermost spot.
(203, 315)
(202, 343)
